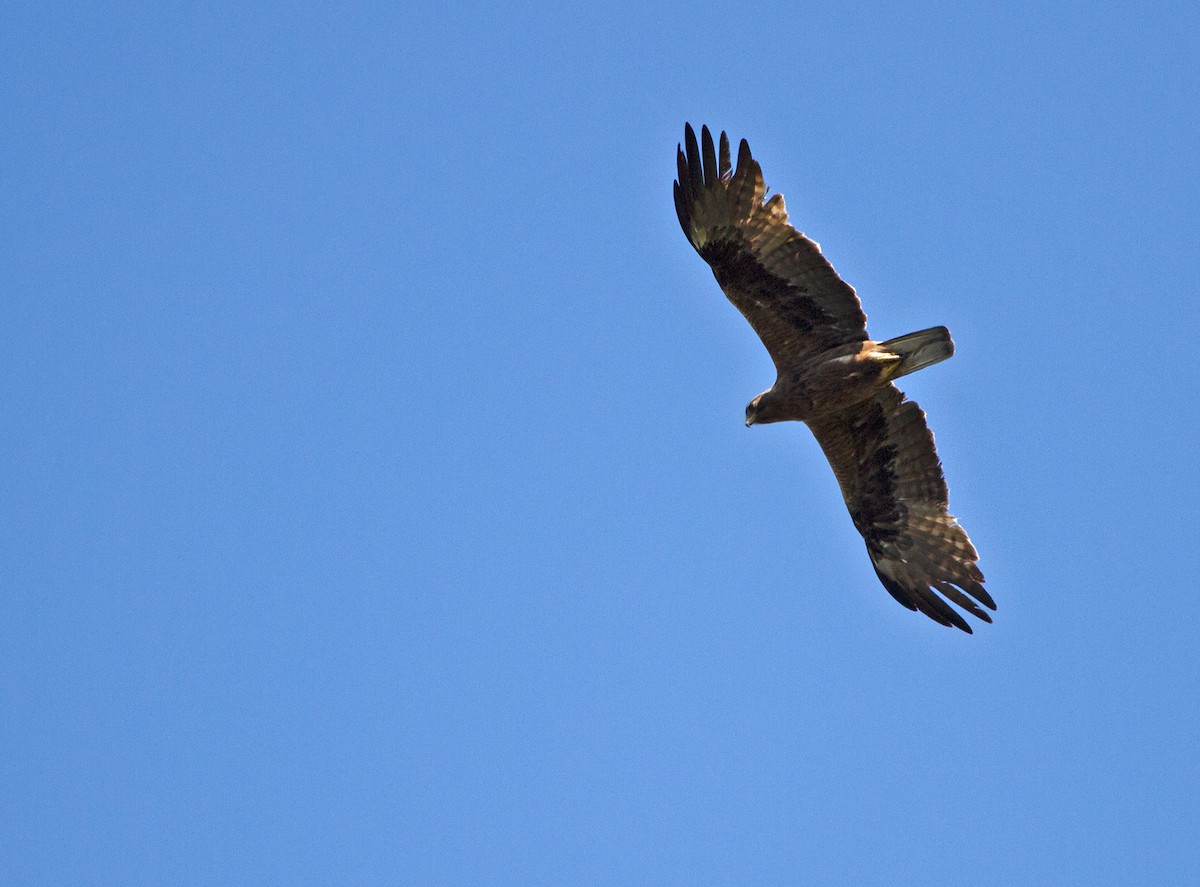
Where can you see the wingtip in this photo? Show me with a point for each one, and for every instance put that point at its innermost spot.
(695, 169)
(926, 600)
(744, 155)
(709, 155)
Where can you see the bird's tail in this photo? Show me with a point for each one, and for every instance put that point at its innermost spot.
(920, 349)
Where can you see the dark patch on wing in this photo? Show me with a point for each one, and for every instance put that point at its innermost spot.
(759, 293)
(878, 510)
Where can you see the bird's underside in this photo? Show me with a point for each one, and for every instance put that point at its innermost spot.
(833, 377)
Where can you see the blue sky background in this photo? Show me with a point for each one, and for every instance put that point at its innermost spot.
(377, 504)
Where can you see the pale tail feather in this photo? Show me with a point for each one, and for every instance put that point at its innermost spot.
(921, 349)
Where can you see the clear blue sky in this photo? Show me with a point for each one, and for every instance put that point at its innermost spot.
(377, 503)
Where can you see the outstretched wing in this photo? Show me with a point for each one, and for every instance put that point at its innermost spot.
(883, 455)
(771, 272)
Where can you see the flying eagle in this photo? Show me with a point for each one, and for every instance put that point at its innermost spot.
(834, 379)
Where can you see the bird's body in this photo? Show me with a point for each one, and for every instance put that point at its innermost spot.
(834, 378)
(830, 382)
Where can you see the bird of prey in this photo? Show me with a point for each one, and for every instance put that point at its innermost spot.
(835, 379)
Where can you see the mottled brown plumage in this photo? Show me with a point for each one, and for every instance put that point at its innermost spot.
(830, 375)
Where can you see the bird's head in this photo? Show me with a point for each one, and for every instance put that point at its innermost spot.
(752, 410)
(768, 407)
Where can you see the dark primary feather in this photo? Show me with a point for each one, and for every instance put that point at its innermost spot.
(774, 275)
(883, 455)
